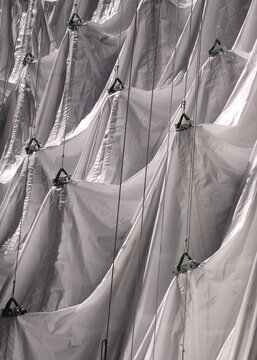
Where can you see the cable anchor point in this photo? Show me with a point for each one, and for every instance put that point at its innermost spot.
(9, 311)
(184, 122)
(185, 264)
(116, 86)
(61, 180)
(32, 146)
(74, 22)
(216, 48)
(28, 59)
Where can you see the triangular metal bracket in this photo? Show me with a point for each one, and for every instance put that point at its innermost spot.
(216, 48)
(28, 59)
(116, 86)
(74, 21)
(32, 146)
(8, 311)
(61, 180)
(183, 123)
(183, 266)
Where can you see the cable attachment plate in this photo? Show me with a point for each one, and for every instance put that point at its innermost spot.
(9, 311)
(28, 59)
(32, 146)
(183, 265)
(74, 22)
(183, 123)
(61, 180)
(216, 48)
(116, 86)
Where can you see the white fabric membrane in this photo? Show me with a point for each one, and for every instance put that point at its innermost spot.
(131, 175)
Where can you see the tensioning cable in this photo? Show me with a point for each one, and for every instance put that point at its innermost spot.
(73, 25)
(33, 143)
(217, 49)
(18, 310)
(157, 5)
(27, 165)
(188, 50)
(118, 85)
(191, 185)
(120, 31)
(165, 182)
(104, 343)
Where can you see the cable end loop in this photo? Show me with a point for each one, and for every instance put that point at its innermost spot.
(104, 349)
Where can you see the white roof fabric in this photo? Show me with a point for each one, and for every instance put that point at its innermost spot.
(94, 260)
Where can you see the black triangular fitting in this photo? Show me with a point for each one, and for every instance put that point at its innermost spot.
(74, 21)
(61, 180)
(216, 48)
(183, 266)
(28, 59)
(32, 146)
(116, 86)
(9, 311)
(183, 123)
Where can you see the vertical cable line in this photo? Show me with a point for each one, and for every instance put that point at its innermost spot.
(118, 85)
(188, 48)
(226, 95)
(191, 180)
(121, 19)
(21, 221)
(165, 182)
(28, 22)
(158, 4)
(188, 228)
(104, 349)
(20, 232)
(66, 109)
(20, 226)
